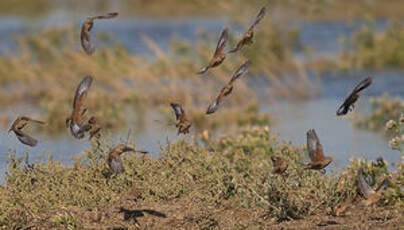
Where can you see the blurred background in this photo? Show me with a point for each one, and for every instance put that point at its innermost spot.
(307, 56)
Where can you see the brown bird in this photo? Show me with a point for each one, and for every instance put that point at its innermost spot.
(92, 127)
(76, 118)
(249, 34)
(372, 196)
(95, 128)
(114, 157)
(17, 127)
(183, 124)
(228, 88)
(88, 24)
(349, 102)
(280, 165)
(219, 55)
(316, 154)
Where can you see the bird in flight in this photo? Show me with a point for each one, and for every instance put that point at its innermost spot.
(88, 24)
(372, 196)
(219, 55)
(17, 127)
(316, 153)
(280, 165)
(183, 124)
(228, 88)
(349, 102)
(77, 116)
(249, 34)
(114, 157)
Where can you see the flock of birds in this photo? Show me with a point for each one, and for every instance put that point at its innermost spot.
(79, 125)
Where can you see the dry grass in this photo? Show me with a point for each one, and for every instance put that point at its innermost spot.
(231, 173)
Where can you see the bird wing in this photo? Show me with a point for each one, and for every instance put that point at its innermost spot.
(314, 148)
(362, 85)
(240, 71)
(259, 17)
(222, 41)
(364, 187)
(177, 110)
(107, 16)
(25, 138)
(81, 91)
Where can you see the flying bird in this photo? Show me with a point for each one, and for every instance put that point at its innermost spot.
(76, 118)
(219, 55)
(88, 24)
(280, 165)
(372, 196)
(316, 153)
(114, 157)
(249, 34)
(17, 127)
(183, 124)
(228, 88)
(349, 102)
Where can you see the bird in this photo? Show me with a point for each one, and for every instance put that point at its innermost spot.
(88, 24)
(249, 34)
(95, 128)
(114, 157)
(371, 196)
(316, 153)
(349, 102)
(228, 88)
(76, 118)
(219, 55)
(17, 127)
(280, 165)
(183, 124)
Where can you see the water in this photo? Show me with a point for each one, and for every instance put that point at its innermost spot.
(340, 140)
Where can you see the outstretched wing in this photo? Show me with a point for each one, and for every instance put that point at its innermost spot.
(81, 91)
(314, 148)
(222, 41)
(362, 85)
(364, 187)
(26, 139)
(259, 17)
(240, 71)
(107, 16)
(177, 110)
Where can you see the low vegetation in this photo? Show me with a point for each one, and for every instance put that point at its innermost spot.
(224, 183)
(382, 110)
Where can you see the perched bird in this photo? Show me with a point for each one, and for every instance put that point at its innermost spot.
(76, 118)
(219, 55)
(316, 154)
(249, 34)
(348, 104)
(17, 127)
(228, 88)
(88, 24)
(372, 196)
(280, 165)
(114, 157)
(183, 124)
